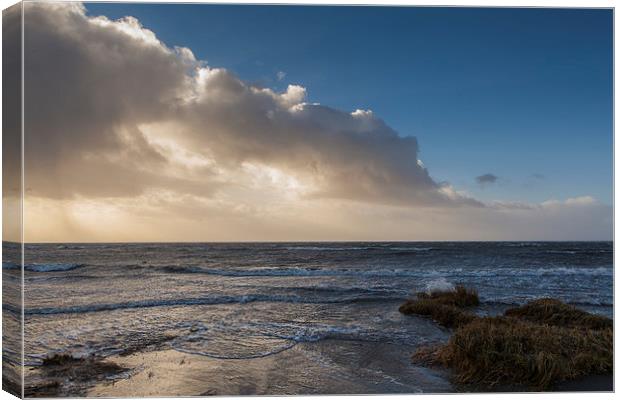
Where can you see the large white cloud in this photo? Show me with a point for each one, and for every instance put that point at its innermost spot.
(100, 94)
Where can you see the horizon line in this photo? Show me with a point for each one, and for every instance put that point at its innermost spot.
(323, 241)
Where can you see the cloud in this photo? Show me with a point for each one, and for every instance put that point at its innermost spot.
(103, 95)
(168, 216)
(281, 75)
(486, 179)
(89, 83)
(581, 201)
(575, 201)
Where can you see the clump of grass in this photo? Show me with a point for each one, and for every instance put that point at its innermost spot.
(59, 359)
(536, 345)
(80, 369)
(447, 315)
(554, 312)
(459, 297)
(62, 373)
(428, 355)
(44, 389)
(445, 307)
(506, 350)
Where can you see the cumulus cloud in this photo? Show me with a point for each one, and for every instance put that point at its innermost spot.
(486, 179)
(101, 94)
(89, 83)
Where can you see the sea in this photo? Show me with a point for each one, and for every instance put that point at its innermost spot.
(247, 301)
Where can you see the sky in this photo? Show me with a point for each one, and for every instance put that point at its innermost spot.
(225, 123)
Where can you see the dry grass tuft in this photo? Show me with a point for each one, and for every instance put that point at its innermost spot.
(446, 315)
(507, 350)
(82, 369)
(536, 345)
(554, 312)
(444, 307)
(59, 359)
(61, 371)
(428, 355)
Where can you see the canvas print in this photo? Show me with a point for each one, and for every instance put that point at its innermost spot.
(229, 199)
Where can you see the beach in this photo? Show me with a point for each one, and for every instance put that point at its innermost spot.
(326, 367)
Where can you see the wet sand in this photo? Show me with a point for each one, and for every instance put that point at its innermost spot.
(324, 367)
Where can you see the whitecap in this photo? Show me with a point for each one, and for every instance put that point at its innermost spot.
(51, 267)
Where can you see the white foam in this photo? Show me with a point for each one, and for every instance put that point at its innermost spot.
(10, 265)
(439, 285)
(51, 267)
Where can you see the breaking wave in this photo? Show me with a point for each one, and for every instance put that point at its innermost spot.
(51, 267)
(298, 271)
(42, 267)
(201, 301)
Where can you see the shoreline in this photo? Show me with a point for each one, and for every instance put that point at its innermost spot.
(304, 369)
(330, 366)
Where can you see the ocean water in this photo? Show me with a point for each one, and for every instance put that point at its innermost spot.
(243, 301)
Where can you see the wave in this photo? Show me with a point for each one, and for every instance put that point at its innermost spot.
(596, 271)
(175, 269)
(42, 267)
(314, 333)
(310, 272)
(261, 339)
(10, 265)
(439, 285)
(357, 248)
(244, 299)
(584, 252)
(69, 247)
(414, 249)
(456, 272)
(201, 301)
(331, 248)
(262, 354)
(51, 267)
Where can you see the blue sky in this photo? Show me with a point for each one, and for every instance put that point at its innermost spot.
(512, 92)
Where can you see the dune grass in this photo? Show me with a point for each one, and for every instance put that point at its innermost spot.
(508, 350)
(445, 307)
(446, 315)
(554, 312)
(60, 371)
(533, 346)
(80, 369)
